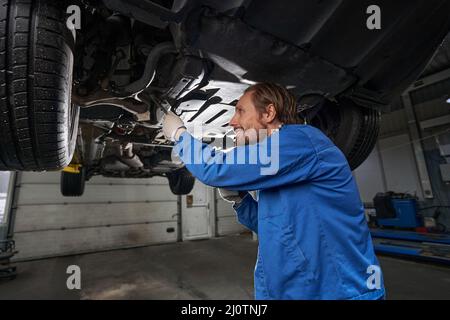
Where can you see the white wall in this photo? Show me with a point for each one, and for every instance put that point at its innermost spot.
(112, 213)
(4, 183)
(399, 165)
(390, 167)
(369, 177)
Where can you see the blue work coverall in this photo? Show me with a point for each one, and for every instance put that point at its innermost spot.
(314, 242)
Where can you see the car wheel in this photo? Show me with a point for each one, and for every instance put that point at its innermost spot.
(72, 184)
(181, 181)
(38, 123)
(352, 128)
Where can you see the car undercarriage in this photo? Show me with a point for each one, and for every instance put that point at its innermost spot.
(130, 58)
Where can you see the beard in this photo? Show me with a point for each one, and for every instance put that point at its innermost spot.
(249, 136)
(240, 139)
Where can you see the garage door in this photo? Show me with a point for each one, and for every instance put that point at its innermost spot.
(112, 213)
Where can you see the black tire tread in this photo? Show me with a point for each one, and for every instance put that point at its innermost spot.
(181, 181)
(35, 85)
(72, 184)
(356, 132)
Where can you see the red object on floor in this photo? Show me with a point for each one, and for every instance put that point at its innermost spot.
(421, 230)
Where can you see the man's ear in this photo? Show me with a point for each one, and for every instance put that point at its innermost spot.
(271, 113)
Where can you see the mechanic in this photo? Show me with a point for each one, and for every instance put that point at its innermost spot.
(314, 242)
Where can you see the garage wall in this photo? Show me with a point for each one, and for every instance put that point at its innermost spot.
(226, 221)
(370, 177)
(390, 167)
(112, 213)
(4, 183)
(399, 165)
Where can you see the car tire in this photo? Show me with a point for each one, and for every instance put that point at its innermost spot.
(353, 129)
(181, 181)
(38, 123)
(72, 184)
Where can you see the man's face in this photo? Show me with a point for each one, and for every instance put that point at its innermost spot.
(246, 119)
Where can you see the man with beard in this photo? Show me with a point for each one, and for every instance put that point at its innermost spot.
(314, 242)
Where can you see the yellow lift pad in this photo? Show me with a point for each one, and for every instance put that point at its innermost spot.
(72, 168)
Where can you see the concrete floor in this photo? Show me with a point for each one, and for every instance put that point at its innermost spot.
(220, 268)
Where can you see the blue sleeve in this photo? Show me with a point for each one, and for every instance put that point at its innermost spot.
(271, 163)
(247, 212)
